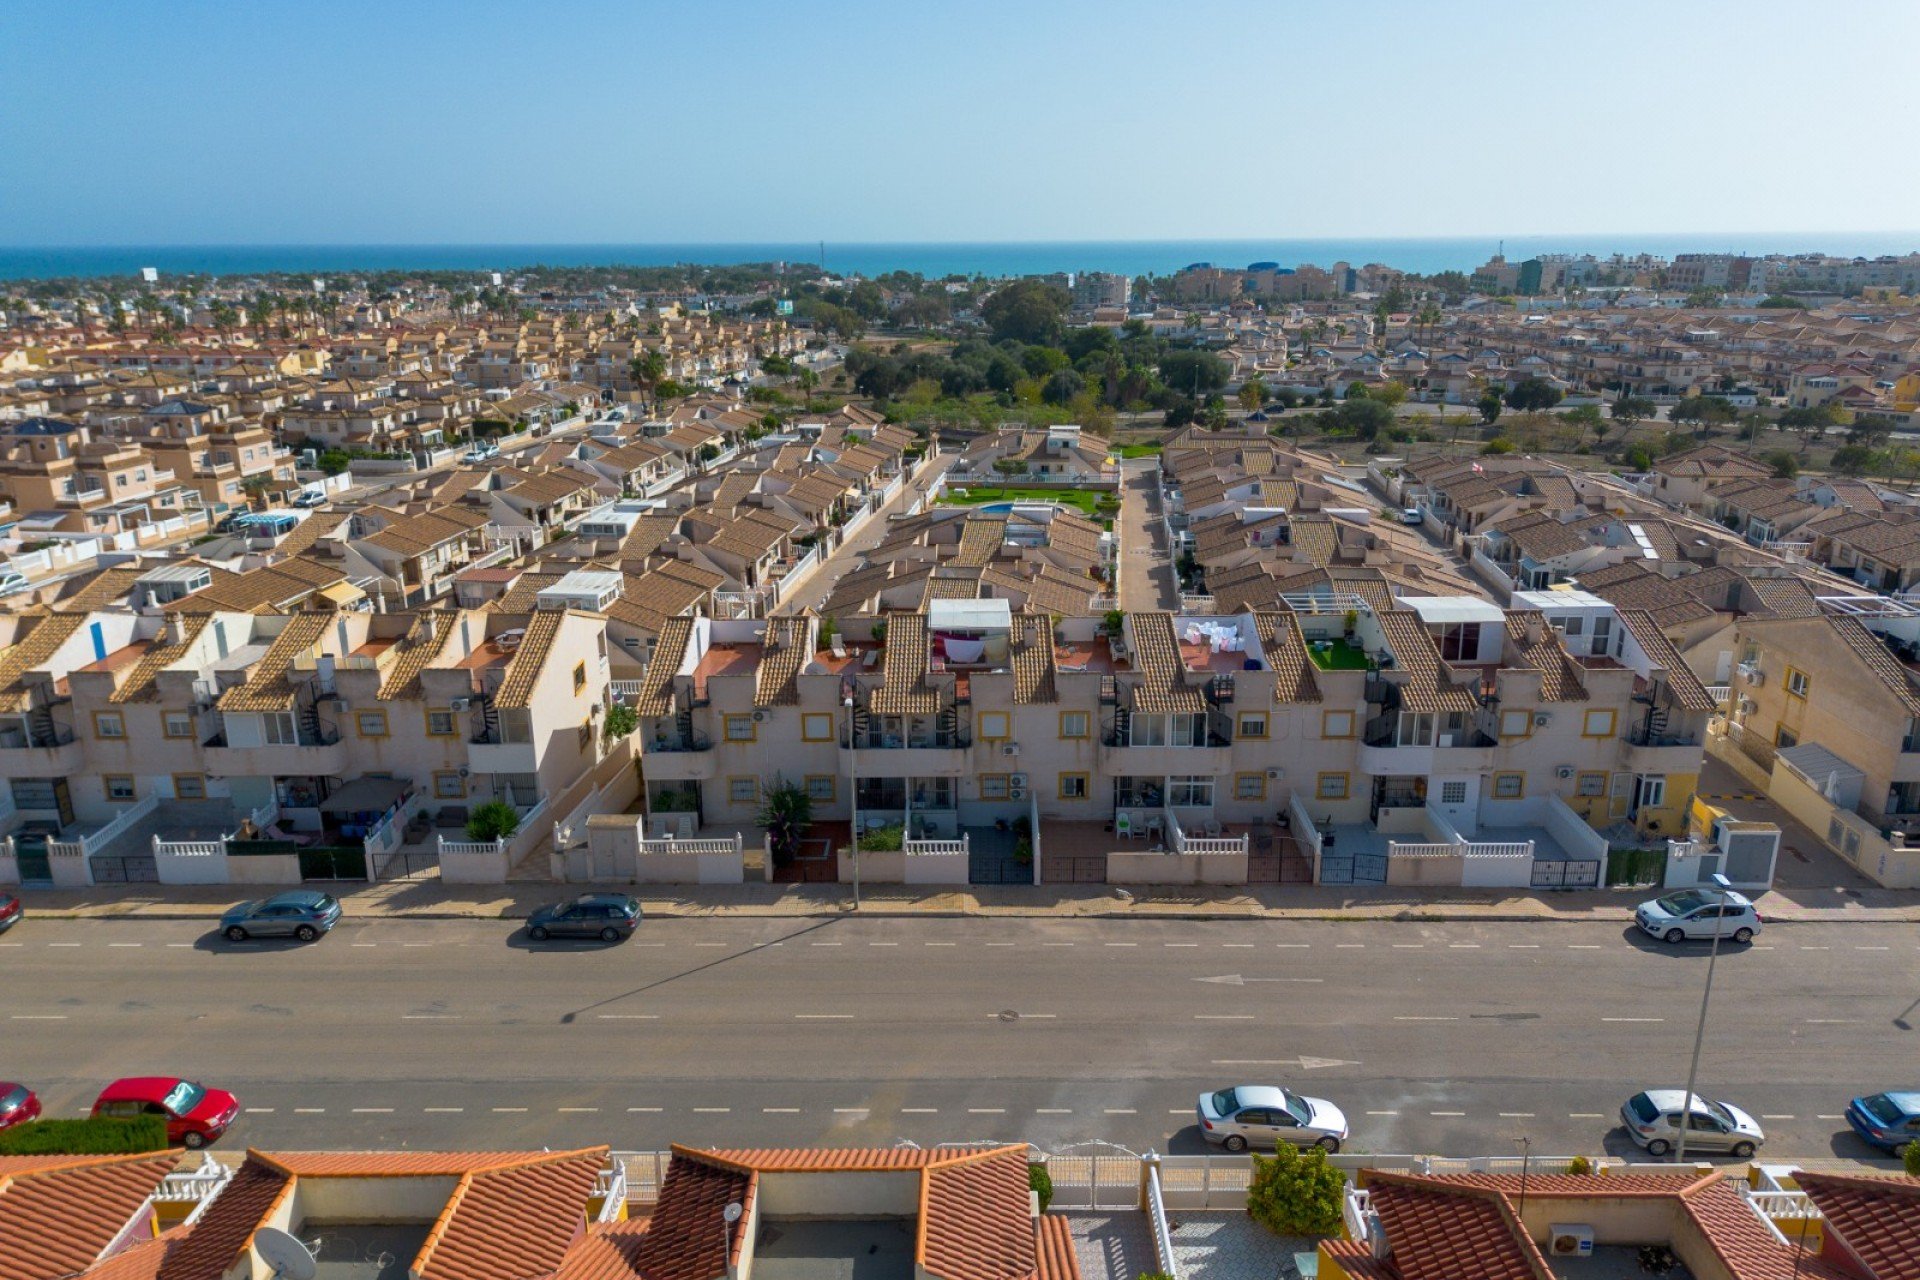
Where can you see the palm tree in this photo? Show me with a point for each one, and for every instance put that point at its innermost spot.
(647, 370)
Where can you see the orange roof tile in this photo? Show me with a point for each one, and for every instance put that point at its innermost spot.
(56, 1219)
(1877, 1220)
(512, 1223)
(975, 1218)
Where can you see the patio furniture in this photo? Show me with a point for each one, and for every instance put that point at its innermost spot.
(1155, 826)
(839, 647)
(1122, 826)
(1211, 827)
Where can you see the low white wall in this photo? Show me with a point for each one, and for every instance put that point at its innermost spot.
(876, 867)
(936, 868)
(9, 869)
(69, 872)
(473, 868)
(1501, 871)
(1124, 866)
(266, 868)
(690, 868)
(375, 1199)
(191, 868)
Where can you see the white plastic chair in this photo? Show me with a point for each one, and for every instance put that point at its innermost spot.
(1123, 826)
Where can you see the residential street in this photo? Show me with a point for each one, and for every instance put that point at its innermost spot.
(1449, 1038)
(1147, 579)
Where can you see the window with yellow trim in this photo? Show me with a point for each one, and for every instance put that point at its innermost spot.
(820, 786)
(177, 724)
(995, 726)
(1797, 683)
(816, 726)
(740, 728)
(1073, 724)
(1592, 784)
(994, 786)
(1516, 722)
(1509, 786)
(1249, 786)
(743, 790)
(371, 724)
(1336, 724)
(1253, 724)
(109, 724)
(119, 787)
(1597, 724)
(441, 722)
(1330, 786)
(1073, 786)
(579, 676)
(190, 786)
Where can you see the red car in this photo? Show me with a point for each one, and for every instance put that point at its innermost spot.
(10, 911)
(195, 1114)
(18, 1104)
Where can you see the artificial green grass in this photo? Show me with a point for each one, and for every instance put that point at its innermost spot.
(1087, 501)
(1340, 657)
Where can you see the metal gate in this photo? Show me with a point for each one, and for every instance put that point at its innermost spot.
(333, 862)
(1092, 1176)
(1074, 868)
(35, 866)
(1568, 873)
(136, 868)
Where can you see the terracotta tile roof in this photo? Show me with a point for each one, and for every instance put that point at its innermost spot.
(1877, 1220)
(222, 1233)
(980, 541)
(1633, 586)
(903, 687)
(687, 1238)
(270, 685)
(424, 642)
(1286, 653)
(1686, 686)
(397, 1164)
(1559, 673)
(1786, 597)
(1748, 1246)
(25, 654)
(514, 1223)
(1054, 1256)
(1046, 590)
(975, 1218)
(138, 685)
(102, 589)
(783, 653)
(1442, 1231)
(1162, 686)
(1426, 690)
(516, 687)
(1033, 660)
(309, 531)
(56, 1219)
(669, 651)
(609, 1251)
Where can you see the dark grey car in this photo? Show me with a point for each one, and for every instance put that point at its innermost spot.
(607, 916)
(299, 913)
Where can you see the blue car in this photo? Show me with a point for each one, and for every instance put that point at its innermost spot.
(302, 913)
(1887, 1120)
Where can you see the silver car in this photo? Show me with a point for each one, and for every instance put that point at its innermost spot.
(1694, 914)
(1653, 1121)
(299, 913)
(1265, 1115)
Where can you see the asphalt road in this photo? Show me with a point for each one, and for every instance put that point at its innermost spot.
(1451, 1039)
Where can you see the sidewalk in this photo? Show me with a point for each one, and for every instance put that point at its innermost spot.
(429, 899)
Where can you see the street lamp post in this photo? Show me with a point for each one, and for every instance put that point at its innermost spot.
(1700, 1031)
(853, 787)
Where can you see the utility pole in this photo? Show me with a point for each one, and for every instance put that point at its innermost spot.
(1700, 1032)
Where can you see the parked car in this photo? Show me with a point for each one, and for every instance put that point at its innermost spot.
(1264, 1115)
(309, 498)
(480, 453)
(1653, 1121)
(298, 913)
(10, 911)
(13, 583)
(18, 1104)
(1699, 913)
(607, 916)
(1411, 515)
(195, 1114)
(1887, 1120)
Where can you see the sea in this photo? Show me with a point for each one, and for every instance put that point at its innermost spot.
(940, 258)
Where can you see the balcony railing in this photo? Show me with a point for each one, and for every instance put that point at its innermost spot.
(59, 736)
(875, 740)
(1642, 738)
(1114, 739)
(679, 742)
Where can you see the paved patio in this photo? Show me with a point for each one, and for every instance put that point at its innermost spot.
(1229, 1245)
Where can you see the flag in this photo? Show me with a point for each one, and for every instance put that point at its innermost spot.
(1478, 467)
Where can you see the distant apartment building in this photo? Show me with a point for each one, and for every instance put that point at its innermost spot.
(1093, 289)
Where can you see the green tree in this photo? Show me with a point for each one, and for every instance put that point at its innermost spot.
(648, 370)
(494, 820)
(1389, 393)
(1026, 310)
(1783, 463)
(1532, 395)
(1193, 372)
(1910, 1159)
(786, 811)
(1296, 1193)
(1490, 407)
(1810, 421)
(1253, 394)
(1062, 387)
(1629, 409)
(1853, 459)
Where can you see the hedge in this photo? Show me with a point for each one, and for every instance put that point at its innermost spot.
(94, 1136)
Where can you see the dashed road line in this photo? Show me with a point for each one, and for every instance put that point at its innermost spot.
(1583, 946)
(1223, 1017)
(1777, 1115)
(1383, 1113)
(37, 1017)
(259, 1111)
(851, 1111)
(1516, 1115)
(1059, 1111)
(1424, 1017)
(1826, 1117)
(1409, 946)
(373, 1111)
(1831, 1021)
(1350, 946)
(649, 1111)
(780, 1111)
(142, 944)
(1179, 944)
(1633, 1019)
(320, 1111)
(587, 1110)
(1523, 946)
(883, 944)
(823, 1017)
(940, 944)
(1121, 944)
(1463, 946)
(711, 1111)
(444, 1110)
(508, 1110)
(986, 1111)
(628, 1017)
(1296, 946)
(919, 1111)
(1586, 1115)
(1446, 1113)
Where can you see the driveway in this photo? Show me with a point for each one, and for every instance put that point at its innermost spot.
(1147, 581)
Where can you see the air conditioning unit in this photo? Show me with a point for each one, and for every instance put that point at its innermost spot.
(465, 772)
(1018, 781)
(1748, 705)
(759, 716)
(1567, 1240)
(1752, 674)
(460, 704)
(1274, 775)
(1541, 719)
(1017, 793)
(1564, 772)
(341, 704)
(1010, 749)
(1446, 739)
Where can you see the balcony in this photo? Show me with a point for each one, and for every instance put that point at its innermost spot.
(317, 755)
(678, 758)
(910, 755)
(1118, 755)
(55, 754)
(488, 752)
(1663, 752)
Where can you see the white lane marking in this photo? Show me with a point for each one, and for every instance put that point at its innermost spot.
(1463, 946)
(823, 944)
(883, 944)
(1777, 1115)
(1832, 1021)
(1583, 946)
(363, 944)
(416, 944)
(652, 1111)
(1236, 944)
(1179, 944)
(1056, 944)
(1856, 948)
(1223, 1017)
(919, 1111)
(1060, 1111)
(429, 1017)
(63, 944)
(188, 944)
(1586, 1115)
(38, 1017)
(1523, 946)
(503, 1110)
(851, 1111)
(1423, 1017)
(1516, 1115)
(1804, 947)
(939, 944)
(22, 944)
(1446, 1113)
(1825, 1117)
(1350, 946)
(1633, 1019)
(370, 1111)
(1129, 1111)
(444, 1110)
(579, 1109)
(648, 944)
(1295, 945)
(259, 1111)
(1409, 946)
(142, 944)
(1015, 944)
(711, 1111)
(780, 1111)
(986, 1111)
(823, 1017)
(709, 944)
(1383, 1113)
(628, 1017)
(317, 1111)
(1022, 1017)
(1119, 944)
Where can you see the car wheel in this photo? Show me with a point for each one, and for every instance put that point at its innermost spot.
(1742, 1150)
(538, 933)
(609, 934)
(306, 933)
(1235, 1143)
(194, 1141)
(236, 934)
(1743, 936)
(1328, 1144)
(1674, 935)
(1659, 1147)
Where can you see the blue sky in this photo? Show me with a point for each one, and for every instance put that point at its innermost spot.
(209, 121)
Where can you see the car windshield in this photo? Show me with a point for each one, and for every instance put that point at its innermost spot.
(1718, 1110)
(1642, 1106)
(324, 902)
(1679, 904)
(183, 1097)
(1223, 1103)
(1881, 1108)
(1298, 1106)
(12, 1100)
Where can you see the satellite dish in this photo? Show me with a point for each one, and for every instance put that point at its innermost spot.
(731, 1214)
(290, 1259)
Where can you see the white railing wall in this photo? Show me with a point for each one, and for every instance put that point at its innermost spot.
(1157, 1218)
(960, 846)
(674, 845)
(88, 845)
(1302, 829)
